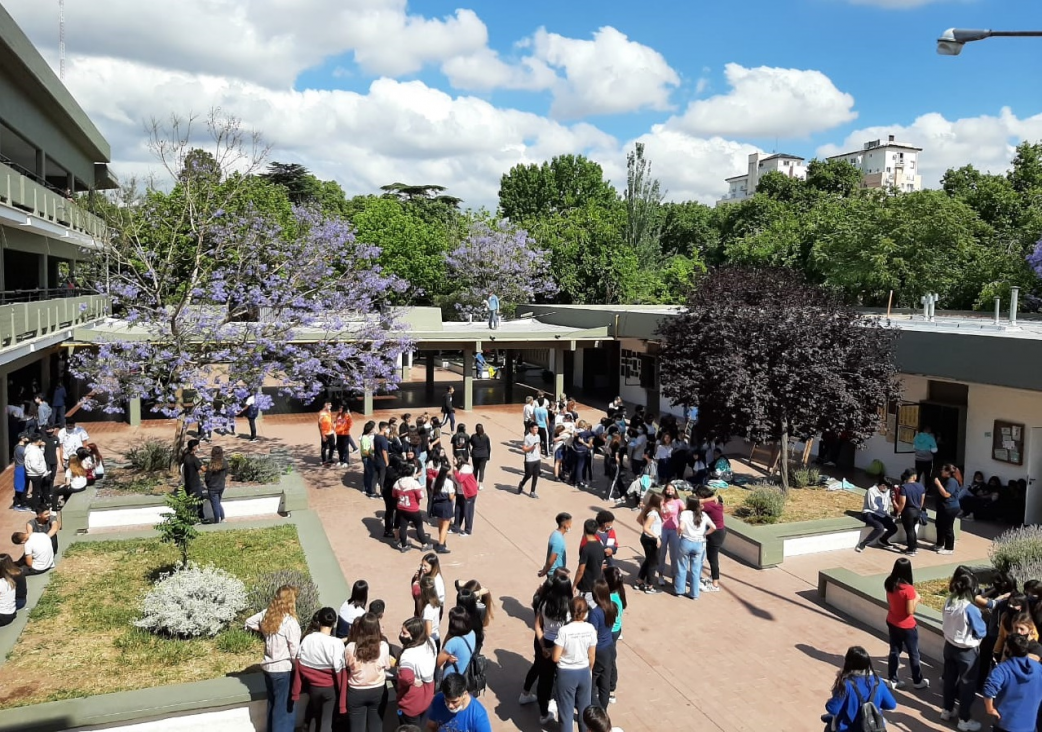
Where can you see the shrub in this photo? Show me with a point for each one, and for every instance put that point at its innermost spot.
(1030, 570)
(1015, 547)
(151, 456)
(803, 477)
(178, 526)
(263, 469)
(763, 506)
(191, 602)
(265, 586)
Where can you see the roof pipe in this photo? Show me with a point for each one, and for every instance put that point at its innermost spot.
(998, 310)
(1014, 301)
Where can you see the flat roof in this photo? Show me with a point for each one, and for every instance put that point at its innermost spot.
(781, 155)
(737, 177)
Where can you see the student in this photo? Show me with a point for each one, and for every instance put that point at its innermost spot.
(1013, 623)
(591, 561)
(855, 682)
(597, 720)
(925, 447)
(650, 521)
(460, 445)
(366, 452)
(556, 549)
(947, 485)
(876, 513)
(617, 588)
(39, 553)
(416, 666)
(551, 606)
(429, 610)
(480, 453)
(281, 630)
(381, 461)
(326, 433)
(441, 492)
(672, 505)
(477, 601)
(12, 582)
(342, 425)
(320, 670)
(902, 599)
(695, 528)
(460, 642)
(430, 566)
(191, 470)
(453, 708)
(1013, 691)
(713, 507)
(602, 618)
(352, 609)
(448, 409)
(963, 630)
(541, 420)
(408, 496)
(21, 482)
(216, 475)
(575, 655)
(368, 659)
(533, 461)
(606, 536)
(466, 497)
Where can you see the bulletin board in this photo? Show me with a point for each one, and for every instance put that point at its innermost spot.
(1007, 442)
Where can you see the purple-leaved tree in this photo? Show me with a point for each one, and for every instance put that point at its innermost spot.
(502, 259)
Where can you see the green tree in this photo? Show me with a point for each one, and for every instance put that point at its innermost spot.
(178, 525)
(643, 198)
(689, 228)
(530, 192)
(301, 186)
(836, 177)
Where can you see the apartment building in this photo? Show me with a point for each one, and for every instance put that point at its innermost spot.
(744, 186)
(50, 152)
(886, 164)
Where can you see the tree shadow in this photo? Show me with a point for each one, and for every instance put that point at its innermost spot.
(155, 574)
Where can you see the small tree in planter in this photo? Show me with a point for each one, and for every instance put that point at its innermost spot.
(178, 527)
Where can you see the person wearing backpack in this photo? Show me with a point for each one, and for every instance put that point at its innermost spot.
(366, 443)
(461, 444)
(859, 697)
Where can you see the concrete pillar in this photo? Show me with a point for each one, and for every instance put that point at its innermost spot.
(468, 379)
(5, 437)
(558, 369)
(508, 374)
(430, 374)
(42, 272)
(41, 165)
(367, 402)
(134, 412)
(46, 366)
(408, 358)
(403, 369)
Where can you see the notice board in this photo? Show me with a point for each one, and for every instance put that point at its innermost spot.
(1007, 442)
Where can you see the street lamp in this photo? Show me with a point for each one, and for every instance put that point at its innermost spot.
(952, 40)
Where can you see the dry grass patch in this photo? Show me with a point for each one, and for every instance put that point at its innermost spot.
(82, 624)
(934, 593)
(802, 504)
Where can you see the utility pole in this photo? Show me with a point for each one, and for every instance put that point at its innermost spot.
(61, 39)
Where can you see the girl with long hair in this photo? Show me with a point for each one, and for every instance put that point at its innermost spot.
(10, 571)
(461, 444)
(902, 599)
(477, 601)
(366, 450)
(281, 630)
(216, 475)
(650, 520)
(855, 681)
(574, 654)
(430, 566)
(416, 666)
(551, 613)
(441, 508)
(617, 590)
(320, 671)
(10, 576)
(460, 643)
(480, 453)
(713, 507)
(368, 659)
(948, 509)
(909, 504)
(963, 630)
(429, 607)
(695, 529)
(352, 609)
(602, 618)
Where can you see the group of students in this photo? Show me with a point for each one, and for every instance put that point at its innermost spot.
(991, 646)
(39, 541)
(53, 463)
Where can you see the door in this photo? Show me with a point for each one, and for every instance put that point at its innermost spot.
(948, 423)
(1033, 499)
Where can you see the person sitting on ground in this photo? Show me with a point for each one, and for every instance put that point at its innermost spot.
(721, 469)
(978, 499)
(46, 522)
(12, 590)
(39, 554)
(9, 568)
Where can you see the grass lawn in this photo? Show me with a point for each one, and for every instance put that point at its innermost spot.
(803, 504)
(934, 592)
(80, 642)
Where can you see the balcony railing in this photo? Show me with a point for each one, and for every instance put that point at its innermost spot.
(20, 322)
(38, 295)
(22, 192)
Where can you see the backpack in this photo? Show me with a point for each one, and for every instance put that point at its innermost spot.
(477, 672)
(366, 445)
(869, 718)
(459, 442)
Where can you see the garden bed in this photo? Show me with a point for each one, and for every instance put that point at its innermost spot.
(802, 504)
(83, 621)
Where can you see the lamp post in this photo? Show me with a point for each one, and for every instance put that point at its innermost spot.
(952, 40)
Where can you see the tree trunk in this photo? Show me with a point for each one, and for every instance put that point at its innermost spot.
(784, 466)
(180, 434)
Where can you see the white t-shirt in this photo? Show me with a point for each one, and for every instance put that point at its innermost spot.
(528, 413)
(439, 586)
(350, 613)
(38, 546)
(322, 651)
(422, 660)
(72, 440)
(690, 530)
(433, 614)
(532, 441)
(656, 524)
(576, 639)
(662, 452)
(7, 598)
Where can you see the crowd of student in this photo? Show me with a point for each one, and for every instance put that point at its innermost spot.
(991, 646)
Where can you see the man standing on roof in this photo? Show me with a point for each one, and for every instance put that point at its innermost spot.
(492, 302)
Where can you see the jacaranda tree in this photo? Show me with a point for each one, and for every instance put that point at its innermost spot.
(766, 355)
(500, 258)
(213, 303)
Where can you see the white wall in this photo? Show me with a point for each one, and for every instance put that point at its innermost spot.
(915, 390)
(632, 392)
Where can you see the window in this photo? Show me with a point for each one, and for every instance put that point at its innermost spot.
(888, 170)
(911, 165)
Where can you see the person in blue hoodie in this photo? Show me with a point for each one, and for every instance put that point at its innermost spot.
(843, 707)
(1013, 691)
(963, 630)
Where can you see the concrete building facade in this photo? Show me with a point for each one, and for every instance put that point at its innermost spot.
(886, 164)
(741, 187)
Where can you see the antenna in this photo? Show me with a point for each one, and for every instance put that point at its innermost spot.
(61, 39)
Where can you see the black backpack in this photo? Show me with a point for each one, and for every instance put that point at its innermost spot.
(869, 718)
(477, 672)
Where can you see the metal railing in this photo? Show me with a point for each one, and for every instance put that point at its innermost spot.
(41, 294)
(21, 191)
(20, 322)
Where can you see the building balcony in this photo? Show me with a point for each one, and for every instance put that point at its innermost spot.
(19, 191)
(27, 327)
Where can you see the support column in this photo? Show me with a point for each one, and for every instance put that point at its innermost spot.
(558, 368)
(403, 369)
(41, 165)
(508, 374)
(367, 403)
(468, 379)
(430, 375)
(5, 437)
(134, 412)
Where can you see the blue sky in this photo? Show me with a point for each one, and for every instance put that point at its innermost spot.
(455, 92)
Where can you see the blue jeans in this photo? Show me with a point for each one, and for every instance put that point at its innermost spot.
(689, 563)
(368, 472)
(574, 688)
(493, 319)
(906, 639)
(671, 542)
(215, 504)
(281, 716)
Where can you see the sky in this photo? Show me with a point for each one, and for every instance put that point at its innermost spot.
(456, 92)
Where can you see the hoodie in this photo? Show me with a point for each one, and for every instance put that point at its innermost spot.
(1016, 687)
(844, 706)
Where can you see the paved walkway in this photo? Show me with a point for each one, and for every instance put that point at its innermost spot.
(760, 655)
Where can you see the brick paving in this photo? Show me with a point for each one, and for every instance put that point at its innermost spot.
(760, 655)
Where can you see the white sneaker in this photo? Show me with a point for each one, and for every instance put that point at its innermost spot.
(924, 684)
(968, 725)
(528, 698)
(896, 684)
(945, 551)
(552, 706)
(947, 714)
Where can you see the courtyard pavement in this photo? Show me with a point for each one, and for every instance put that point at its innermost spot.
(759, 655)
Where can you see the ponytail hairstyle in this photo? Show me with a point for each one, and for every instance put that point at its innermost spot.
(962, 588)
(907, 475)
(695, 507)
(857, 662)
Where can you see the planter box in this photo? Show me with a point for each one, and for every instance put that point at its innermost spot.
(769, 545)
(239, 501)
(864, 599)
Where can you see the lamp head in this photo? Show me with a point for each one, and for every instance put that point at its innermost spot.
(952, 40)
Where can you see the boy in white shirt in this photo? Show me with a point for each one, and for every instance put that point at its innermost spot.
(39, 554)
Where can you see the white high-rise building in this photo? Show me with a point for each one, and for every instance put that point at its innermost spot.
(886, 164)
(744, 186)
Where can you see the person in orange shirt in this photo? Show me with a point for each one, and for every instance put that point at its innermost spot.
(342, 427)
(327, 434)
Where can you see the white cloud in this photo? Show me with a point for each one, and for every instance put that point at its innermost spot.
(607, 75)
(484, 70)
(987, 142)
(769, 102)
